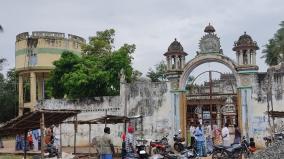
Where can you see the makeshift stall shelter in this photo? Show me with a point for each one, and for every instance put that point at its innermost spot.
(38, 119)
(276, 114)
(107, 119)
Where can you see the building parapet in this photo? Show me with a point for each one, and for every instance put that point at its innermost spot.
(46, 34)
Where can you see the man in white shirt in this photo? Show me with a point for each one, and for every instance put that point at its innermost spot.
(191, 131)
(226, 135)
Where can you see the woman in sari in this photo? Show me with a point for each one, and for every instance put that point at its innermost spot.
(217, 135)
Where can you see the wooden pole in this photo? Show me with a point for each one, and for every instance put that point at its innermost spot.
(60, 129)
(25, 144)
(42, 135)
(90, 129)
(75, 132)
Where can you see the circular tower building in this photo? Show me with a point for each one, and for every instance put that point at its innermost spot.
(35, 55)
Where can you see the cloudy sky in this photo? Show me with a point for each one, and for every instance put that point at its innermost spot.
(150, 24)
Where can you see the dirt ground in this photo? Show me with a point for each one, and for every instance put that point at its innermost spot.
(8, 152)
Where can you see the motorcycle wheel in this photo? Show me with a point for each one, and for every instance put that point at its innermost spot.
(217, 154)
(177, 147)
(247, 154)
(156, 151)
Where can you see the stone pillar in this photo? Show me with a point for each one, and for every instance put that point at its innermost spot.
(254, 57)
(241, 57)
(238, 57)
(21, 97)
(40, 89)
(249, 57)
(33, 90)
(176, 62)
(169, 60)
(183, 61)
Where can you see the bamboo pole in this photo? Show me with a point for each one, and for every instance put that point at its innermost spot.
(90, 129)
(75, 132)
(25, 144)
(42, 135)
(60, 129)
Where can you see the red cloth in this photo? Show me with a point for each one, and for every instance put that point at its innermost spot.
(123, 136)
(130, 129)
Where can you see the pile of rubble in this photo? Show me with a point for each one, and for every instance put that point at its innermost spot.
(275, 151)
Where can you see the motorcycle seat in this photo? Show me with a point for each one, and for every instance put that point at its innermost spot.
(222, 146)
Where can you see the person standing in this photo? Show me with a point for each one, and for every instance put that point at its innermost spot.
(130, 144)
(200, 141)
(18, 142)
(123, 149)
(106, 145)
(217, 135)
(35, 136)
(191, 131)
(226, 135)
(208, 137)
(56, 136)
(237, 139)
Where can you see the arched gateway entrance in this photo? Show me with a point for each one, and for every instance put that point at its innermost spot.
(208, 105)
(243, 69)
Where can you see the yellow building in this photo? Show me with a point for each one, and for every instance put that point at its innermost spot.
(35, 55)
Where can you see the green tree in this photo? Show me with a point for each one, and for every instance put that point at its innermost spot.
(97, 72)
(159, 74)
(65, 65)
(274, 50)
(100, 44)
(8, 96)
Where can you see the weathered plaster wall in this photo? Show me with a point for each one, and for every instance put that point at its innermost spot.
(267, 87)
(152, 100)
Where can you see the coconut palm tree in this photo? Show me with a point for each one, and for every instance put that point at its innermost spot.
(274, 50)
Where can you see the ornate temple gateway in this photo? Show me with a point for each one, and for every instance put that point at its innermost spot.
(232, 102)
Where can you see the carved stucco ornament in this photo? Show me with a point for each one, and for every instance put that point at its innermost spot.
(210, 43)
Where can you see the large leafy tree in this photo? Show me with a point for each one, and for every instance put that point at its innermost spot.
(8, 96)
(65, 65)
(274, 50)
(159, 73)
(96, 73)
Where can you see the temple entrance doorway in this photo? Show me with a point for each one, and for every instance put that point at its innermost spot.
(212, 99)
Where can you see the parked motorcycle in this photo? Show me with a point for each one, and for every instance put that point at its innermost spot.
(234, 151)
(185, 154)
(52, 151)
(141, 149)
(179, 143)
(268, 140)
(161, 146)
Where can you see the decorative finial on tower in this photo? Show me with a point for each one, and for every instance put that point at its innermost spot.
(245, 33)
(175, 39)
(209, 29)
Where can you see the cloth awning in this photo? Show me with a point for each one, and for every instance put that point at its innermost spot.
(31, 120)
(107, 119)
